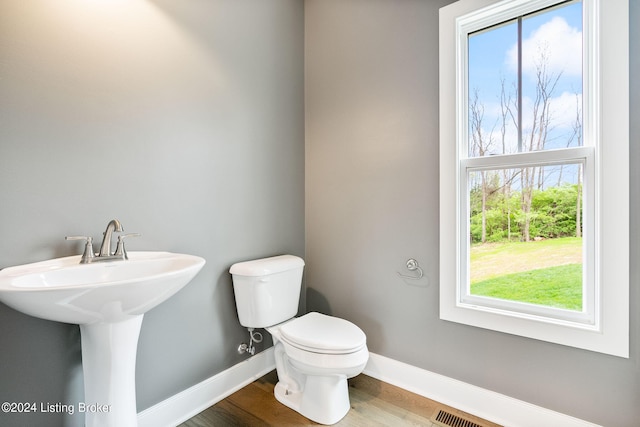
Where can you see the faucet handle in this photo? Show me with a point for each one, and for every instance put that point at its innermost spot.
(88, 247)
(120, 250)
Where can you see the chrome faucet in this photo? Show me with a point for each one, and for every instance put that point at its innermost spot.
(105, 248)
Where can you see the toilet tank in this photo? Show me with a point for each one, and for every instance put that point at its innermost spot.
(267, 290)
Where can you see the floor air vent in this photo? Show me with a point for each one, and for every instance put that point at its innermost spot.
(447, 419)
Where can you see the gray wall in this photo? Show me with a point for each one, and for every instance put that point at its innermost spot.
(372, 202)
(183, 119)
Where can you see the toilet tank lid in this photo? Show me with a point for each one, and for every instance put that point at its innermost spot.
(266, 266)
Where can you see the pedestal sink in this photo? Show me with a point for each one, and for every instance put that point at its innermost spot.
(108, 300)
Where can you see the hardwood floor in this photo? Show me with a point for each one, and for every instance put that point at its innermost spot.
(373, 403)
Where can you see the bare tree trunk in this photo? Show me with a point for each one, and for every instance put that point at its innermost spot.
(540, 126)
(506, 193)
(577, 132)
(484, 206)
(480, 146)
(541, 178)
(528, 177)
(579, 203)
(506, 112)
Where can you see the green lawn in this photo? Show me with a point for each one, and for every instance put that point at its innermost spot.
(559, 287)
(547, 273)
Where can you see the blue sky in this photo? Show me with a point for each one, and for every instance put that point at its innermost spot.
(492, 55)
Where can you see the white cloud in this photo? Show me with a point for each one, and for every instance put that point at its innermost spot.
(559, 41)
(564, 109)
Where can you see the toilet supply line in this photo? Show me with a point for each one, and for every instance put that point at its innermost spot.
(254, 337)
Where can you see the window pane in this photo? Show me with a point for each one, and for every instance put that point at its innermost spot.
(492, 91)
(552, 78)
(525, 83)
(526, 235)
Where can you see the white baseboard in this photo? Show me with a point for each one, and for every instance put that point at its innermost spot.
(184, 405)
(480, 402)
(483, 403)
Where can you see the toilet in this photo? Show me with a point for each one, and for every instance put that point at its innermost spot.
(314, 353)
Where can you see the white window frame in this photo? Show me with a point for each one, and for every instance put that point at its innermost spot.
(603, 326)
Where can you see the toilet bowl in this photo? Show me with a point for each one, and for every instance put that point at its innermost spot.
(315, 354)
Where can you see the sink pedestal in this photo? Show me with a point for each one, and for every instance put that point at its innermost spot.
(109, 366)
(108, 301)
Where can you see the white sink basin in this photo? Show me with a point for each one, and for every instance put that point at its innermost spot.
(108, 300)
(64, 290)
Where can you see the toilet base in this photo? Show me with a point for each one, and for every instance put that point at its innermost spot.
(323, 399)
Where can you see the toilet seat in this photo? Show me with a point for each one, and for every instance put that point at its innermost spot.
(319, 333)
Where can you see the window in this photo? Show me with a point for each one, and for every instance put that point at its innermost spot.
(534, 169)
